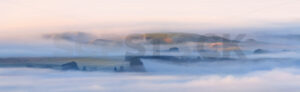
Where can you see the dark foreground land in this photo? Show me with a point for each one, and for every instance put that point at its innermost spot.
(116, 64)
(65, 63)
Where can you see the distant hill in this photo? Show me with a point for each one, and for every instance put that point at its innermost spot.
(175, 38)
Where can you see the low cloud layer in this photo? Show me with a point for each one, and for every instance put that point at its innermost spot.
(78, 37)
(82, 38)
(35, 80)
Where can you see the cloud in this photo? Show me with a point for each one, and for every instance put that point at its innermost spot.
(78, 37)
(36, 80)
(82, 38)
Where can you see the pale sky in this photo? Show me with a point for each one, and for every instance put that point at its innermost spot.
(24, 17)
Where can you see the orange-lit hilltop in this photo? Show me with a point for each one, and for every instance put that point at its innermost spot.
(178, 38)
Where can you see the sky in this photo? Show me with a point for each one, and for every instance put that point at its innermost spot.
(24, 22)
(20, 15)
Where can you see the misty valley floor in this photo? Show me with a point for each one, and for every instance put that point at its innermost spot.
(34, 80)
(263, 75)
